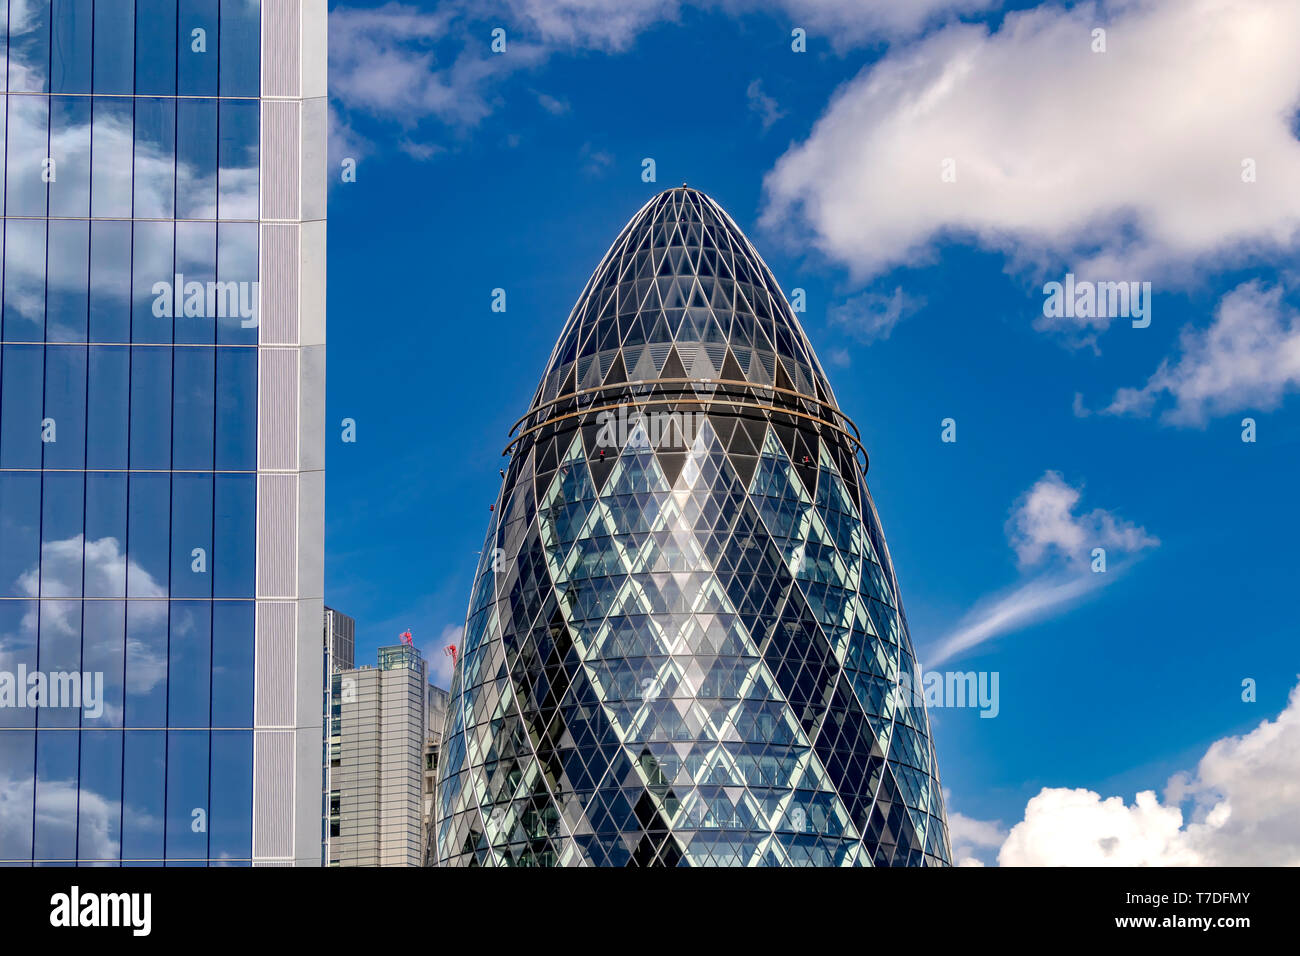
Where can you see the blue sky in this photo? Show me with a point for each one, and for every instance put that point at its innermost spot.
(1169, 157)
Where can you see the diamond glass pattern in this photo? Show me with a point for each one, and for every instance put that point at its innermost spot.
(684, 640)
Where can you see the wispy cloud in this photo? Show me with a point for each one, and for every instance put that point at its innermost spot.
(872, 315)
(1054, 549)
(407, 66)
(764, 106)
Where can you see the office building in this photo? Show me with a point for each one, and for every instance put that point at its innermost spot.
(375, 812)
(162, 368)
(685, 637)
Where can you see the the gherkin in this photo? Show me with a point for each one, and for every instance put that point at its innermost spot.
(685, 640)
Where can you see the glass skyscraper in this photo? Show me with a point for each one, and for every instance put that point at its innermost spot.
(685, 644)
(162, 431)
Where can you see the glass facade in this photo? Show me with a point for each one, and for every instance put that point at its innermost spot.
(129, 383)
(685, 639)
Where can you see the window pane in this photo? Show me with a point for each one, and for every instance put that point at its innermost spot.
(196, 263)
(110, 178)
(151, 407)
(238, 159)
(29, 49)
(241, 35)
(114, 46)
(192, 397)
(20, 515)
(187, 794)
(18, 625)
(61, 525)
(233, 548)
(67, 294)
(152, 295)
(70, 150)
(149, 508)
(191, 529)
(236, 439)
(60, 651)
(189, 673)
(197, 45)
(143, 791)
(230, 824)
(70, 47)
(103, 651)
(106, 535)
(232, 663)
(28, 145)
(237, 265)
(110, 282)
(155, 158)
(155, 47)
(106, 409)
(65, 406)
(146, 663)
(22, 377)
(24, 295)
(196, 159)
(99, 814)
(18, 757)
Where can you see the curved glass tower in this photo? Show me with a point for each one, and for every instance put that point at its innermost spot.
(685, 639)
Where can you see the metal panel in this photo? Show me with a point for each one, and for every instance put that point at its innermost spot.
(273, 793)
(281, 146)
(279, 285)
(277, 440)
(281, 47)
(277, 636)
(277, 534)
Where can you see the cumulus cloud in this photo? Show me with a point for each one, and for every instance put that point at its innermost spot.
(1125, 164)
(1044, 524)
(969, 837)
(1240, 804)
(1248, 358)
(1053, 548)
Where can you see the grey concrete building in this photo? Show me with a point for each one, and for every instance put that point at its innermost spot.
(378, 729)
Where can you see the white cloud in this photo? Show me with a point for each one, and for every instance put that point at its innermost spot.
(404, 65)
(1044, 524)
(1126, 162)
(872, 315)
(1248, 358)
(591, 24)
(969, 837)
(1243, 800)
(1054, 548)
(765, 107)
